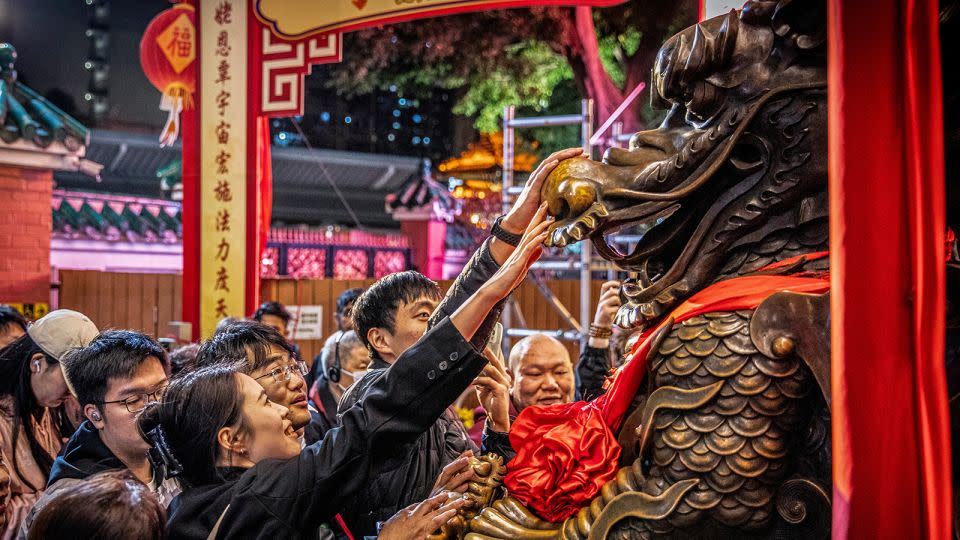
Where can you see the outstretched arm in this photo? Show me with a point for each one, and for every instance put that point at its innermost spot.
(494, 252)
(403, 403)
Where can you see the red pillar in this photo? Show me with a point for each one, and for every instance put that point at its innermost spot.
(190, 135)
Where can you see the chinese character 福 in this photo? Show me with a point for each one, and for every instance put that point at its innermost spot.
(181, 43)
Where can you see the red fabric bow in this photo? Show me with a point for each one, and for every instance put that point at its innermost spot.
(566, 452)
(574, 454)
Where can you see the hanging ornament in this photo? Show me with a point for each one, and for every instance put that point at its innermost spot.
(167, 53)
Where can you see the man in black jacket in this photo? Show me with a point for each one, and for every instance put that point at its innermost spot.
(389, 318)
(113, 378)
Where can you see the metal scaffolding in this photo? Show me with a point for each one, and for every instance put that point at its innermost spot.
(585, 264)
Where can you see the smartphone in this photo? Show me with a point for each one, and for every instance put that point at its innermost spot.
(495, 341)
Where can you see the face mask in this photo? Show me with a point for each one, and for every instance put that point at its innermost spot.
(356, 375)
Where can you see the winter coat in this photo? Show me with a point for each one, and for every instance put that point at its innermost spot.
(407, 473)
(291, 498)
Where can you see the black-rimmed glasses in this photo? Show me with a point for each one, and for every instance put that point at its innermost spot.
(138, 402)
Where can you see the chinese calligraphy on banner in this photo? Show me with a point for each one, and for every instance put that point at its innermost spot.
(223, 163)
(291, 19)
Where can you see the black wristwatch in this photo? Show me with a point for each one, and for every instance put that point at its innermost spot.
(499, 233)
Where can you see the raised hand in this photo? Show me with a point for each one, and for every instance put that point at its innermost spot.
(455, 476)
(525, 207)
(608, 305)
(515, 268)
(493, 391)
(419, 520)
(468, 318)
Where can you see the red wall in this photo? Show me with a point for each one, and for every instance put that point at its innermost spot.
(25, 224)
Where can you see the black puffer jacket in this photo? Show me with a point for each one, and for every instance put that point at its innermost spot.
(407, 473)
(291, 498)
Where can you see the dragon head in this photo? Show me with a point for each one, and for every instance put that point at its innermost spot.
(742, 148)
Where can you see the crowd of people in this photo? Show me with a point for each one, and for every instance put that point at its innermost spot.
(103, 434)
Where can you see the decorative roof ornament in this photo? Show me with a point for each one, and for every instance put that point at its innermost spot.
(36, 132)
(171, 179)
(422, 197)
(115, 218)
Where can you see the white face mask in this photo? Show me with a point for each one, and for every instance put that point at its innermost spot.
(355, 375)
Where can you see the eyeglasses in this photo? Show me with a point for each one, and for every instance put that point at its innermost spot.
(139, 402)
(284, 373)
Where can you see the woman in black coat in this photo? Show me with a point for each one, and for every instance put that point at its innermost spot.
(240, 460)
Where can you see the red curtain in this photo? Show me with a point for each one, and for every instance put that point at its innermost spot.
(891, 440)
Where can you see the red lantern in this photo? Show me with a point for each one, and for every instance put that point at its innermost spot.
(167, 53)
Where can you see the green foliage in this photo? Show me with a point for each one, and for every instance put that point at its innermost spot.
(615, 49)
(525, 57)
(527, 78)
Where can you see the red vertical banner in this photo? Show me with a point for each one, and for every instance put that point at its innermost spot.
(891, 445)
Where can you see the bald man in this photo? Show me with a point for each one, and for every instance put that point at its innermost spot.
(541, 372)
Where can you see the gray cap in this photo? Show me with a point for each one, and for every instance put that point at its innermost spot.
(62, 330)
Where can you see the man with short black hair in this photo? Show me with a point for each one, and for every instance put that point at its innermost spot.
(390, 317)
(113, 379)
(393, 313)
(273, 314)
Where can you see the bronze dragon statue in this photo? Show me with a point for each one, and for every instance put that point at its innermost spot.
(729, 435)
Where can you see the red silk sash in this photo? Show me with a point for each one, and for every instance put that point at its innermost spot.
(566, 452)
